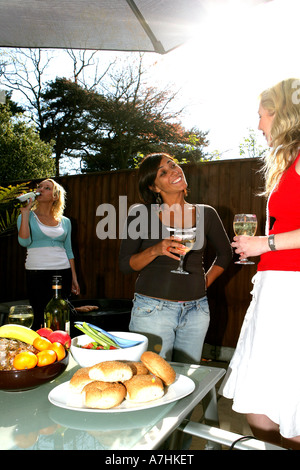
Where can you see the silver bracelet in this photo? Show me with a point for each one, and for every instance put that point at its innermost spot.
(271, 242)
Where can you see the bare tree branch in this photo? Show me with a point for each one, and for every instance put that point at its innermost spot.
(82, 59)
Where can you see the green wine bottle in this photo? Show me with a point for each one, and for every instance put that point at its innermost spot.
(57, 312)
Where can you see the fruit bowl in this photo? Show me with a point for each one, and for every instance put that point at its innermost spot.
(21, 380)
(90, 357)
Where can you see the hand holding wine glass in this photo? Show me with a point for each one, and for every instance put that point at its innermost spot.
(187, 238)
(245, 224)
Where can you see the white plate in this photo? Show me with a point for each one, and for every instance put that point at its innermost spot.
(61, 396)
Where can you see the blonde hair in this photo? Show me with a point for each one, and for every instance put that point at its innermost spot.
(281, 101)
(58, 206)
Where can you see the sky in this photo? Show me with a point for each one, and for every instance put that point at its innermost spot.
(237, 53)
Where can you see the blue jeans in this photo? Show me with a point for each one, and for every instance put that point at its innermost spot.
(175, 330)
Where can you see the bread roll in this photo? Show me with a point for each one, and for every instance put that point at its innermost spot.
(138, 368)
(159, 367)
(111, 371)
(80, 379)
(103, 395)
(97, 385)
(144, 388)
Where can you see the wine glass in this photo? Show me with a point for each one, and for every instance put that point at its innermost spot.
(245, 224)
(187, 238)
(21, 315)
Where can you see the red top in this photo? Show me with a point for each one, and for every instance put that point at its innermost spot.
(284, 206)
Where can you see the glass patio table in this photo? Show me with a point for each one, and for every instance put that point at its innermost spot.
(29, 421)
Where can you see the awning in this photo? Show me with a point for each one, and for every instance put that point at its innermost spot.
(116, 25)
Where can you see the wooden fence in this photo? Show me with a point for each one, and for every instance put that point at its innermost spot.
(230, 186)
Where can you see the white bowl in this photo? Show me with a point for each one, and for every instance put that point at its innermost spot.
(90, 357)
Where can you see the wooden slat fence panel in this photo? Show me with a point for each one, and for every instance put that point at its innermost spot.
(229, 185)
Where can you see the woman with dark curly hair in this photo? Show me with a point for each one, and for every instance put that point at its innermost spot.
(169, 308)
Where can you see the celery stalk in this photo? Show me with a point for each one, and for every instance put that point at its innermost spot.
(97, 336)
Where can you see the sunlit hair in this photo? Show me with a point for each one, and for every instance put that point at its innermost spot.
(58, 206)
(147, 175)
(282, 101)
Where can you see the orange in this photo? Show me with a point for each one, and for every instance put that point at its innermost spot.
(59, 349)
(46, 357)
(41, 343)
(25, 360)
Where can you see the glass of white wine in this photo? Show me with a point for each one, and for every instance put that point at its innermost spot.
(245, 224)
(187, 238)
(21, 315)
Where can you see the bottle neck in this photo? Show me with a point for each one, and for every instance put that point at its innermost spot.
(56, 291)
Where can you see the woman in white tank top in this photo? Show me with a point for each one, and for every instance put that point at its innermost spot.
(46, 234)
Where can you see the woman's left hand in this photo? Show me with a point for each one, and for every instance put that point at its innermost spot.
(250, 246)
(75, 287)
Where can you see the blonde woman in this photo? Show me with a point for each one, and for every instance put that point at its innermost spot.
(46, 233)
(264, 376)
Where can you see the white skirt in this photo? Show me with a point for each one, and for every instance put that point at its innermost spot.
(263, 376)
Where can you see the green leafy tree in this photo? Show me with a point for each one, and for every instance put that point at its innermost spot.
(108, 132)
(65, 111)
(137, 119)
(8, 211)
(250, 148)
(23, 154)
(131, 126)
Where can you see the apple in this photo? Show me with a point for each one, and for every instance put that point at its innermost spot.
(44, 332)
(60, 336)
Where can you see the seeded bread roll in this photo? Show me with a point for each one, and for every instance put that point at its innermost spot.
(111, 371)
(103, 395)
(138, 368)
(144, 388)
(80, 379)
(159, 367)
(97, 385)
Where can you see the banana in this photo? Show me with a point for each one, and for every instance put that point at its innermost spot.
(19, 332)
